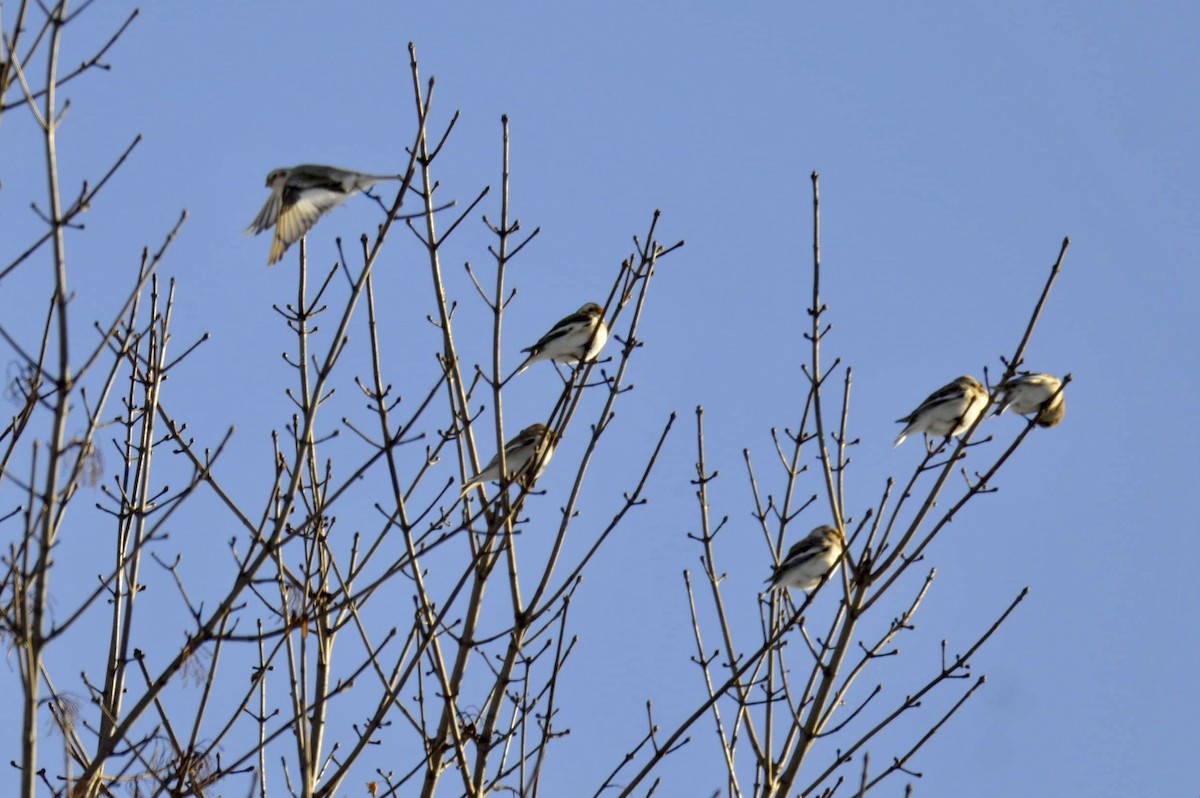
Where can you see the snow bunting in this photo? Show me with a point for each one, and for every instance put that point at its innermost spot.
(1034, 392)
(531, 445)
(576, 339)
(950, 410)
(807, 562)
(299, 197)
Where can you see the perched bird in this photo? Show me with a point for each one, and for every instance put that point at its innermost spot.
(530, 445)
(950, 410)
(1034, 392)
(576, 339)
(300, 195)
(807, 562)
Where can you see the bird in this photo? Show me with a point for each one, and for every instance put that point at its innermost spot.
(532, 444)
(1034, 392)
(808, 561)
(950, 410)
(300, 195)
(577, 338)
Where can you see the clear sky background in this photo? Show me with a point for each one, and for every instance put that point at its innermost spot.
(957, 145)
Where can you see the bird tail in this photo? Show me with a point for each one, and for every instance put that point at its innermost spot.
(519, 370)
(278, 247)
(367, 181)
(900, 438)
(534, 353)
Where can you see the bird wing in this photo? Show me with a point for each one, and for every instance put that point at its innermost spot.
(800, 553)
(520, 449)
(533, 444)
(268, 215)
(518, 453)
(814, 547)
(944, 395)
(301, 208)
(805, 550)
(486, 474)
(1010, 391)
(566, 326)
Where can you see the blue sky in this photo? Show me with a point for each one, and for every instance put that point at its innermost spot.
(957, 145)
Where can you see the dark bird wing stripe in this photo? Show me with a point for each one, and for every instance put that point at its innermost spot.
(564, 327)
(802, 553)
(936, 399)
(302, 179)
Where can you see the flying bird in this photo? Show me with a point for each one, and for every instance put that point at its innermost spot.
(577, 338)
(808, 561)
(950, 410)
(532, 445)
(300, 195)
(1034, 392)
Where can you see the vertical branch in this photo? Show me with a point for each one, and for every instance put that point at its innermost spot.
(121, 589)
(142, 402)
(312, 706)
(502, 231)
(260, 717)
(424, 158)
(40, 578)
(728, 746)
(450, 679)
(824, 671)
(707, 535)
(516, 638)
(841, 443)
(814, 337)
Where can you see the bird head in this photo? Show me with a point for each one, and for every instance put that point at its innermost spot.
(276, 175)
(534, 430)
